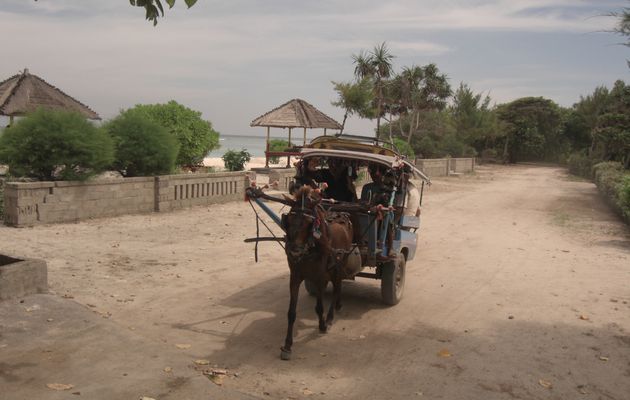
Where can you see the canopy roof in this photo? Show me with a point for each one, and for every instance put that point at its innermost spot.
(24, 93)
(387, 160)
(296, 113)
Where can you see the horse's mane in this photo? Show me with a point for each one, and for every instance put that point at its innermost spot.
(307, 196)
(303, 191)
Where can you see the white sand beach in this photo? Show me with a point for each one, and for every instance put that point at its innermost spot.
(255, 162)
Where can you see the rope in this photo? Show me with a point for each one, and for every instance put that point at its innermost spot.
(258, 231)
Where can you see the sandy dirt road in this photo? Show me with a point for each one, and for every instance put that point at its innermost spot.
(520, 289)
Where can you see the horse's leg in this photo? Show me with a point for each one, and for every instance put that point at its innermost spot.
(336, 301)
(294, 286)
(319, 307)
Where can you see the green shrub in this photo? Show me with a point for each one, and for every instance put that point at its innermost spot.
(404, 148)
(1, 199)
(607, 176)
(277, 145)
(624, 196)
(195, 136)
(143, 147)
(614, 182)
(580, 164)
(50, 145)
(236, 160)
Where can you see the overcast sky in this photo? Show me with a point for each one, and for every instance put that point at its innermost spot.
(235, 60)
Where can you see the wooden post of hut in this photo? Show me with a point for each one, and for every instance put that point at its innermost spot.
(267, 149)
(289, 157)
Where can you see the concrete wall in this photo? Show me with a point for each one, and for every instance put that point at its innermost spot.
(34, 203)
(19, 277)
(284, 177)
(182, 191)
(462, 165)
(434, 167)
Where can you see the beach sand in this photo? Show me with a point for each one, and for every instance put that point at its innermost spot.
(255, 162)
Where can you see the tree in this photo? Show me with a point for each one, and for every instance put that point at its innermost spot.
(422, 89)
(377, 66)
(533, 129)
(475, 122)
(611, 135)
(154, 8)
(142, 146)
(55, 145)
(195, 136)
(354, 98)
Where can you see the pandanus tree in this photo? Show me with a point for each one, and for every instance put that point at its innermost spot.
(421, 89)
(377, 67)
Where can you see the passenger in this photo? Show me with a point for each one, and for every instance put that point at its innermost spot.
(340, 186)
(372, 193)
(309, 174)
(412, 203)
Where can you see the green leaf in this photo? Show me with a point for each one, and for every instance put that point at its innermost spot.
(190, 3)
(159, 5)
(170, 3)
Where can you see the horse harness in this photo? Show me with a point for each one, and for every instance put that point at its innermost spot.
(339, 256)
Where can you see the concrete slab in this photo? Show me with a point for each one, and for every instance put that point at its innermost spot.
(21, 277)
(47, 339)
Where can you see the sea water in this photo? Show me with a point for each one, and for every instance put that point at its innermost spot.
(255, 145)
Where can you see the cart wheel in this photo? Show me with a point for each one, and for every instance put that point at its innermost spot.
(393, 280)
(311, 287)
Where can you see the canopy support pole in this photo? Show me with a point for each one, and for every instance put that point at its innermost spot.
(324, 131)
(10, 120)
(304, 144)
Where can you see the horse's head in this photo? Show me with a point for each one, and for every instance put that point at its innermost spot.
(302, 223)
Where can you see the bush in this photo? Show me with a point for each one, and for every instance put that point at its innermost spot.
(581, 165)
(195, 136)
(49, 145)
(404, 148)
(236, 160)
(277, 145)
(614, 182)
(142, 146)
(624, 196)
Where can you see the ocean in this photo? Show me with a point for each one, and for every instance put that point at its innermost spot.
(255, 145)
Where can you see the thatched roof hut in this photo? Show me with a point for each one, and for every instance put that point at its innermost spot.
(294, 113)
(24, 93)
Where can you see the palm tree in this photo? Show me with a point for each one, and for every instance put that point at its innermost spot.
(377, 66)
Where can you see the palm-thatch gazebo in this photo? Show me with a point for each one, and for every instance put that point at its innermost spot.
(24, 93)
(295, 113)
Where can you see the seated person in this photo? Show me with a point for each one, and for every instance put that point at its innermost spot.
(412, 203)
(373, 192)
(309, 174)
(340, 186)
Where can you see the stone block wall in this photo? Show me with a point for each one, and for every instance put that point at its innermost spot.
(462, 165)
(434, 167)
(34, 203)
(284, 176)
(182, 191)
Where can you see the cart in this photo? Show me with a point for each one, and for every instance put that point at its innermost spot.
(386, 224)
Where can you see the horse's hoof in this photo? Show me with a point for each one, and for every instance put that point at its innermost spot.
(285, 354)
(338, 307)
(323, 329)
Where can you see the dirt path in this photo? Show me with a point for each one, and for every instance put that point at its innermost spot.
(519, 290)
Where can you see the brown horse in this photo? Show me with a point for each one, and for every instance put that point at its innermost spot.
(317, 244)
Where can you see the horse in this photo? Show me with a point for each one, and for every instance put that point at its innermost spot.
(317, 245)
